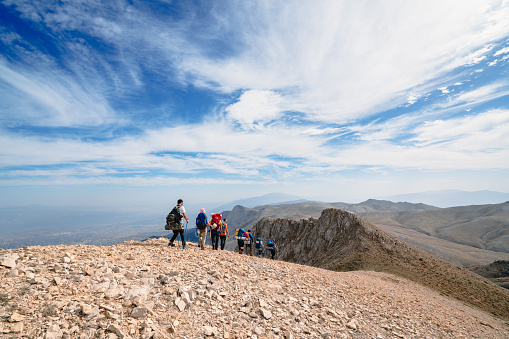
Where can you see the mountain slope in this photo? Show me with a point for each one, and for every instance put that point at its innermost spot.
(481, 226)
(342, 241)
(395, 218)
(147, 290)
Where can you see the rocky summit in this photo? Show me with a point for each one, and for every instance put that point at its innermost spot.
(149, 290)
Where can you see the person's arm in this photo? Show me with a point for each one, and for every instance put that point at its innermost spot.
(185, 216)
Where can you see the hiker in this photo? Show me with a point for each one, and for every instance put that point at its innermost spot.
(223, 233)
(241, 235)
(271, 246)
(201, 225)
(259, 247)
(215, 224)
(249, 243)
(182, 211)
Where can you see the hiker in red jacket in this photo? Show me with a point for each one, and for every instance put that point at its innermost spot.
(215, 224)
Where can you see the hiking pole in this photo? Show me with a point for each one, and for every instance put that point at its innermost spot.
(184, 240)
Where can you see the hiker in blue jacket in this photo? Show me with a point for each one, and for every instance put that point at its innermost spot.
(259, 247)
(272, 248)
(202, 222)
(241, 236)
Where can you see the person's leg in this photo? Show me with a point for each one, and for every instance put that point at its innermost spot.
(240, 243)
(223, 241)
(273, 252)
(175, 233)
(203, 236)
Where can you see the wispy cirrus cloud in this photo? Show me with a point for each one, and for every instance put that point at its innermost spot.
(51, 99)
(205, 93)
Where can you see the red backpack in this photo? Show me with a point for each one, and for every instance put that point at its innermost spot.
(216, 219)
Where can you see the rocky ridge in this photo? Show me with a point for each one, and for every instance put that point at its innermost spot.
(148, 290)
(341, 241)
(476, 228)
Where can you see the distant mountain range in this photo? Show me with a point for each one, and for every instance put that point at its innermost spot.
(267, 199)
(451, 198)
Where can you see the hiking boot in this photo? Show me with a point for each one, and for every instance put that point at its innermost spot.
(171, 244)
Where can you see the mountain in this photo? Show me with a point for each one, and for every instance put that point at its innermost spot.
(451, 198)
(479, 226)
(267, 199)
(497, 272)
(465, 236)
(341, 241)
(147, 290)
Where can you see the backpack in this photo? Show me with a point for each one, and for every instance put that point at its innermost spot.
(173, 219)
(270, 244)
(201, 221)
(222, 229)
(216, 219)
(258, 243)
(239, 233)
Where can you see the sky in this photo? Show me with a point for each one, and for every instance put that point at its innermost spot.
(139, 103)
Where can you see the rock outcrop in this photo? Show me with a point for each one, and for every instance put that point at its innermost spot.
(342, 241)
(148, 290)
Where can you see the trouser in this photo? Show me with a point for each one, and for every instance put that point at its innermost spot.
(240, 242)
(259, 252)
(215, 239)
(202, 237)
(223, 241)
(175, 234)
(249, 249)
(272, 253)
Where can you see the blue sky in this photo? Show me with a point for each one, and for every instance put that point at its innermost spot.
(140, 103)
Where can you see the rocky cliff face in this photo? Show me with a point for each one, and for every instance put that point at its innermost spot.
(342, 241)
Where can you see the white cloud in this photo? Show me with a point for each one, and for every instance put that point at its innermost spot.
(412, 98)
(479, 95)
(323, 58)
(502, 51)
(489, 130)
(335, 61)
(478, 56)
(254, 107)
(444, 90)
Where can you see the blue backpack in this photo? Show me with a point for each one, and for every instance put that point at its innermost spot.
(258, 243)
(201, 221)
(270, 244)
